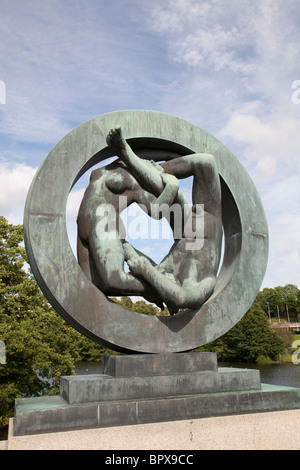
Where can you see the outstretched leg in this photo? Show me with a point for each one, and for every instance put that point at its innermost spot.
(175, 296)
(148, 174)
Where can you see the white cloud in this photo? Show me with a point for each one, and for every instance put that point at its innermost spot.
(208, 33)
(269, 140)
(271, 148)
(282, 202)
(238, 35)
(15, 180)
(230, 52)
(14, 183)
(73, 203)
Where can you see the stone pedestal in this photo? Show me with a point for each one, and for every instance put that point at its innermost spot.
(141, 389)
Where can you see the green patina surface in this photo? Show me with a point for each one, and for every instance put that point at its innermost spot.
(84, 305)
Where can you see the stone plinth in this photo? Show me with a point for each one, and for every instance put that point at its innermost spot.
(191, 386)
(97, 388)
(141, 365)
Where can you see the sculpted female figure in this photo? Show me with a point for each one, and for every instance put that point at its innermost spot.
(187, 275)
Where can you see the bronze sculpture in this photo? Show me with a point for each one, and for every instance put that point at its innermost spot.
(187, 275)
(68, 286)
(153, 383)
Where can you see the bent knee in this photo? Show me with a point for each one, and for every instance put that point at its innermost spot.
(205, 165)
(197, 294)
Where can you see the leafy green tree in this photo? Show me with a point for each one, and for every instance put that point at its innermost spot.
(298, 305)
(285, 298)
(290, 299)
(249, 340)
(140, 306)
(39, 344)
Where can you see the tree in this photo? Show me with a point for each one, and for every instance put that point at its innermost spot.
(285, 299)
(298, 305)
(39, 344)
(140, 306)
(249, 340)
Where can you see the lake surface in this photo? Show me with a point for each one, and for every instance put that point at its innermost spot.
(277, 374)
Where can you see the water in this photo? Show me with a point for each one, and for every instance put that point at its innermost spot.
(287, 374)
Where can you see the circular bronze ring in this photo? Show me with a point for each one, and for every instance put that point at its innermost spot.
(84, 306)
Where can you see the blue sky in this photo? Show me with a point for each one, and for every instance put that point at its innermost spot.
(226, 65)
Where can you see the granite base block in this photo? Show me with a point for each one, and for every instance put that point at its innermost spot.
(54, 414)
(121, 399)
(86, 388)
(143, 365)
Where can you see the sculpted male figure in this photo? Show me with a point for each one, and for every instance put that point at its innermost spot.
(187, 275)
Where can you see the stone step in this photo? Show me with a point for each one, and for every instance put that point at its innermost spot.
(139, 365)
(96, 388)
(53, 414)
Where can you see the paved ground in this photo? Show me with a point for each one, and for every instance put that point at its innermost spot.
(260, 431)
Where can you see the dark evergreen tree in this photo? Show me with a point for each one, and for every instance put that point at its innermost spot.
(249, 340)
